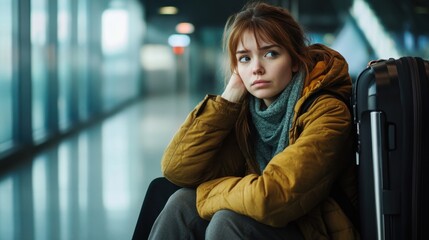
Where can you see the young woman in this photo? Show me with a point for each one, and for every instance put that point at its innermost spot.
(250, 165)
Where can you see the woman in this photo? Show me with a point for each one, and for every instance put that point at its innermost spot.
(250, 165)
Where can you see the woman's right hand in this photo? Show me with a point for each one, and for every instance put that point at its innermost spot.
(235, 89)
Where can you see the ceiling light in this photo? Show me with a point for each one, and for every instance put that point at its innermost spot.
(179, 40)
(185, 28)
(168, 10)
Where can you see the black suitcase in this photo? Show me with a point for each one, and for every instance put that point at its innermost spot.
(391, 113)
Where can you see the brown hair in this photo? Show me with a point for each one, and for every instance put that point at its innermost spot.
(268, 23)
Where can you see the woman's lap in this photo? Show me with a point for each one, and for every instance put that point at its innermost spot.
(180, 220)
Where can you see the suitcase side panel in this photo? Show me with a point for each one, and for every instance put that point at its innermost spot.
(420, 178)
(364, 92)
(396, 101)
(398, 91)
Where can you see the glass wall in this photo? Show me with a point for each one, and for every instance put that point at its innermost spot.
(40, 53)
(6, 61)
(120, 37)
(58, 70)
(65, 62)
(82, 59)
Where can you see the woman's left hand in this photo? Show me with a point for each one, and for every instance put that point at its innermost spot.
(235, 89)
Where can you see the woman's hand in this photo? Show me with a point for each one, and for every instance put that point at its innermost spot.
(235, 89)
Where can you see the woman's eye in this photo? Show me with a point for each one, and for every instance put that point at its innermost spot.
(243, 59)
(271, 54)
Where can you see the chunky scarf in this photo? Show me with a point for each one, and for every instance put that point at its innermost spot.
(273, 124)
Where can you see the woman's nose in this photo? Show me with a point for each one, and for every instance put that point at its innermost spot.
(258, 69)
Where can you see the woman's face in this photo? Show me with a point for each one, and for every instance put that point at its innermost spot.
(265, 70)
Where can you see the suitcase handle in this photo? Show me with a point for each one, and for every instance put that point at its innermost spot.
(377, 158)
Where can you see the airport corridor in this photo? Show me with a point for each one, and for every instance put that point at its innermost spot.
(92, 184)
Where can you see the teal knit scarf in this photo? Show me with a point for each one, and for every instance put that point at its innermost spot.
(273, 124)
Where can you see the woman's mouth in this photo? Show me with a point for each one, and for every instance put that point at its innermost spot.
(260, 82)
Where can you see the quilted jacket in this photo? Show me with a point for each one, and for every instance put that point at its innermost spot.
(296, 184)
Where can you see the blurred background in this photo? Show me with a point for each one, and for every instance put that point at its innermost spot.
(91, 92)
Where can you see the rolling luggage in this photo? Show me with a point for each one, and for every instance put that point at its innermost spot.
(391, 113)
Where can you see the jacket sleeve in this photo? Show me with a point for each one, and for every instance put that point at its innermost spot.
(295, 180)
(205, 146)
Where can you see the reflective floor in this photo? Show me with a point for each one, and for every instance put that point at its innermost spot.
(91, 185)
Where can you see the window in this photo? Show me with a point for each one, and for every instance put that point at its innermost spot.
(82, 59)
(115, 45)
(65, 61)
(39, 66)
(120, 37)
(6, 69)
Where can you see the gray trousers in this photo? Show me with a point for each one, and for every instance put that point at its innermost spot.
(179, 220)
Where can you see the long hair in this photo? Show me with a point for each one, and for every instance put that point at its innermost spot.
(267, 23)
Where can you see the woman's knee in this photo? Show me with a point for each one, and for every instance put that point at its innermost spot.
(182, 200)
(182, 195)
(179, 219)
(225, 223)
(225, 216)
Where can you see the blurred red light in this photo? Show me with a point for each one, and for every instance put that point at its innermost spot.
(179, 50)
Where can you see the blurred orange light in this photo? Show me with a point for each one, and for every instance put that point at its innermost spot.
(179, 50)
(185, 28)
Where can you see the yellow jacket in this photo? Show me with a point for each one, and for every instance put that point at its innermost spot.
(296, 184)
